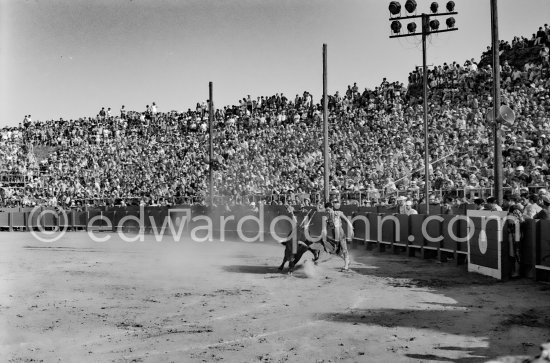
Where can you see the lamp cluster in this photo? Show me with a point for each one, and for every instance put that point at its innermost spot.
(410, 7)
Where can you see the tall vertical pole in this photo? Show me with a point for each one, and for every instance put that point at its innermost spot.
(325, 124)
(211, 134)
(496, 103)
(425, 21)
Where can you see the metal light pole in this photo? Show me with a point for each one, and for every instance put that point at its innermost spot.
(211, 134)
(496, 103)
(395, 8)
(425, 29)
(326, 151)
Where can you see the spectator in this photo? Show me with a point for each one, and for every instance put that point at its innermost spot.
(448, 205)
(515, 237)
(544, 213)
(492, 205)
(541, 37)
(267, 149)
(409, 209)
(531, 206)
(479, 203)
(544, 55)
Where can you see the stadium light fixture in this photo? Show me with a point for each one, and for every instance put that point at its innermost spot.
(396, 27)
(430, 25)
(451, 6)
(450, 22)
(410, 6)
(395, 7)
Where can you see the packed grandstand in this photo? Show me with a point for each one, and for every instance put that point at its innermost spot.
(269, 149)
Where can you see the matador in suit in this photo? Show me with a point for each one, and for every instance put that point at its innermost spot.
(339, 231)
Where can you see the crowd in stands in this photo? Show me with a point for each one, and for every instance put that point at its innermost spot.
(270, 148)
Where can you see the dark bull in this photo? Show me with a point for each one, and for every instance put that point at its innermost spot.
(303, 244)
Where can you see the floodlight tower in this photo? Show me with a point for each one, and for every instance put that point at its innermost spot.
(428, 27)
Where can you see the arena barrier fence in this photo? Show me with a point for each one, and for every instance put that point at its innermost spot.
(475, 237)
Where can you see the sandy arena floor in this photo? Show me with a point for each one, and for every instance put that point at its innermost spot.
(75, 300)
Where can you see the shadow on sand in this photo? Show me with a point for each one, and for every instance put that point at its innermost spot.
(252, 269)
(445, 321)
(467, 317)
(265, 270)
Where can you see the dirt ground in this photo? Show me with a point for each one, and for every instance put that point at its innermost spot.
(75, 300)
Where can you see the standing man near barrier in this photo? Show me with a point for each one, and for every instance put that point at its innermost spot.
(448, 205)
(545, 211)
(532, 206)
(515, 238)
(336, 238)
(492, 205)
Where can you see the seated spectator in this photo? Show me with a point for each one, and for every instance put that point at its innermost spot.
(409, 209)
(270, 145)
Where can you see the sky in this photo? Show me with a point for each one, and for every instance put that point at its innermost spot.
(68, 58)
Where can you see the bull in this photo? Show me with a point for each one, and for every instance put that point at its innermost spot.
(304, 244)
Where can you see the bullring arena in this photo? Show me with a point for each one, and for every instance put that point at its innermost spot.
(155, 298)
(398, 213)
